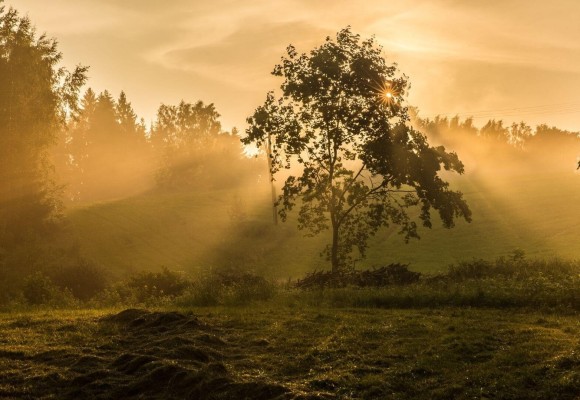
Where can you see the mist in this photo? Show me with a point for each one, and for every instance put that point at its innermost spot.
(332, 243)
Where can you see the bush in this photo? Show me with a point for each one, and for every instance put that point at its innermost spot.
(84, 279)
(228, 286)
(516, 267)
(39, 289)
(392, 274)
(502, 283)
(151, 285)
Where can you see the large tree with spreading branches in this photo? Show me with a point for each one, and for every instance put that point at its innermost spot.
(341, 118)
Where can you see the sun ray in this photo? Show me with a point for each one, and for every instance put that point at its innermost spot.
(386, 93)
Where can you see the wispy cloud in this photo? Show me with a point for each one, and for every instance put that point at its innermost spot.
(459, 54)
(233, 60)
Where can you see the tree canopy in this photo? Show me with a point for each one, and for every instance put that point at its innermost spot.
(342, 119)
(36, 97)
(194, 151)
(104, 141)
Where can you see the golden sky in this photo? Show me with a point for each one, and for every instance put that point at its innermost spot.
(510, 59)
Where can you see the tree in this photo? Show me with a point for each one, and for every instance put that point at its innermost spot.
(126, 117)
(183, 135)
(108, 155)
(495, 130)
(519, 134)
(76, 148)
(342, 119)
(36, 98)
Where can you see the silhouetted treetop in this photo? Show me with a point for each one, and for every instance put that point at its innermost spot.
(342, 118)
(36, 99)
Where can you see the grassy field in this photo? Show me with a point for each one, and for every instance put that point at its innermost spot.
(199, 229)
(270, 351)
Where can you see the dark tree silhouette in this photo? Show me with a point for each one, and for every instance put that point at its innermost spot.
(342, 119)
(36, 98)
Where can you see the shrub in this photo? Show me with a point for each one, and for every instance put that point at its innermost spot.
(228, 286)
(148, 285)
(84, 279)
(39, 289)
(392, 274)
(516, 267)
(502, 283)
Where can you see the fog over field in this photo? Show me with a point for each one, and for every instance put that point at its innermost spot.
(289, 200)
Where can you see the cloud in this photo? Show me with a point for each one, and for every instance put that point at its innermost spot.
(246, 56)
(460, 55)
(509, 32)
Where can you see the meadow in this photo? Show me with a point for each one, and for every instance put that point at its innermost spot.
(505, 329)
(198, 298)
(139, 260)
(269, 351)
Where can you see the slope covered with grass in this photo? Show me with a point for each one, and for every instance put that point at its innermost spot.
(534, 210)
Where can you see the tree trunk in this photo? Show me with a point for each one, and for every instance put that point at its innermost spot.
(272, 187)
(274, 208)
(334, 250)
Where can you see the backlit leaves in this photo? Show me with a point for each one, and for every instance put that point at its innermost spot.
(341, 118)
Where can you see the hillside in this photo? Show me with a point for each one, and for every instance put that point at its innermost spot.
(512, 208)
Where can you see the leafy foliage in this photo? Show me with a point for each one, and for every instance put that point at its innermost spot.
(342, 119)
(84, 279)
(392, 274)
(185, 138)
(105, 140)
(40, 290)
(36, 98)
(151, 285)
(228, 286)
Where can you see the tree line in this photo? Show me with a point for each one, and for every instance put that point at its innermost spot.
(106, 151)
(60, 145)
(517, 135)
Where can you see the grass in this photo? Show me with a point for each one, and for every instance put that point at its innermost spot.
(507, 329)
(194, 230)
(271, 351)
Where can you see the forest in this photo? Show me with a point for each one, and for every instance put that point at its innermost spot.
(337, 245)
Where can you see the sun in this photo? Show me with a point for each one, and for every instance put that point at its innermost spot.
(386, 93)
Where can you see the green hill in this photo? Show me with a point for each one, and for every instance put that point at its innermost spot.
(512, 208)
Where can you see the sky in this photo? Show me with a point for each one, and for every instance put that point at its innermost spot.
(506, 59)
